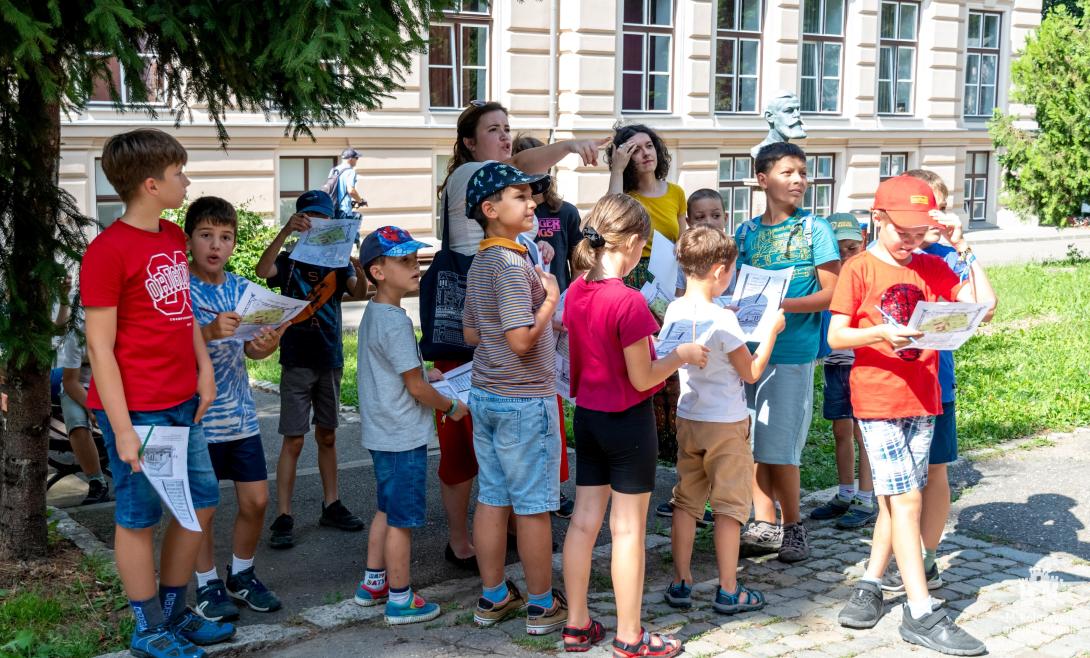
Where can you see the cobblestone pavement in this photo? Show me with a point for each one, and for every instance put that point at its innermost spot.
(1020, 603)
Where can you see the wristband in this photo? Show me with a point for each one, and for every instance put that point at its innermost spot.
(966, 254)
(453, 407)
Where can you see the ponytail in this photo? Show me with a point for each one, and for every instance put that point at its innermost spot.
(614, 219)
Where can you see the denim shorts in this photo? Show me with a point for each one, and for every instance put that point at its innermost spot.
(837, 403)
(138, 504)
(241, 460)
(402, 486)
(75, 415)
(784, 402)
(517, 441)
(944, 445)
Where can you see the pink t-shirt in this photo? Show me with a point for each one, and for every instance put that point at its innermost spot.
(602, 318)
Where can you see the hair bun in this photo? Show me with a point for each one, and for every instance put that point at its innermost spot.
(594, 237)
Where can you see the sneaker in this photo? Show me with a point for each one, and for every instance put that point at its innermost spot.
(281, 532)
(540, 621)
(467, 563)
(892, 581)
(760, 537)
(936, 632)
(679, 595)
(566, 509)
(859, 515)
(336, 515)
(213, 603)
(794, 547)
(97, 492)
(162, 642)
(490, 614)
(200, 631)
(864, 608)
(415, 611)
(245, 587)
(835, 508)
(665, 509)
(369, 596)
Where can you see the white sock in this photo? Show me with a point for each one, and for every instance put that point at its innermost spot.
(238, 565)
(865, 497)
(206, 577)
(919, 609)
(401, 597)
(845, 492)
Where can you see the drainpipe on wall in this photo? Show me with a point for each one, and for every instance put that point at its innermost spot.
(554, 52)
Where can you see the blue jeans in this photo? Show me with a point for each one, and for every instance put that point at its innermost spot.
(401, 480)
(138, 504)
(517, 441)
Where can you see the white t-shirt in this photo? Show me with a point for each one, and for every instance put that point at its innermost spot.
(715, 393)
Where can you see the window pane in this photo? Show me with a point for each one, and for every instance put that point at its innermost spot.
(830, 95)
(885, 97)
(899, 163)
(474, 84)
(978, 211)
(987, 69)
(822, 205)
(904, 62)
(824, 167)
(906, 29)
(808, 100)
(107, 212)
(660, 49)
(658, 93)
(440, 46)
(981, 163)
(475, 6)
(747, 95)
(834, 17)
(741, 200)
(904, 97)
(980, 187)
(974, 30)
(741, 168)
(811, 16)
(885, 63)
(751, 15)
(101, 91)
(987, 100)
(724, 94)
(747, 63)
(318, 171)
(633, 11)
(727, 15)
(883, 167)
(474, 46)
(830, 60)
(152, 80)
(724, 56)
(889, 20)
(970, 100)
(661, 12)
(972, 68)
(726, 167)
(633, 52)
(808, 198)
(810, 166)
(967, 191)
(102, 184)
(809, 60)
(991, 31)
(632, 92)
(441, 87)
(291, 174)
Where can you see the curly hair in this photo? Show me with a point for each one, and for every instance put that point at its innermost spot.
(621, 134)
(523, 142)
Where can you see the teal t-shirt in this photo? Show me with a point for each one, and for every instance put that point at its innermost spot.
(782, 246)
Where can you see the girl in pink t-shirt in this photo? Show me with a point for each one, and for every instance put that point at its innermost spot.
(614, 373)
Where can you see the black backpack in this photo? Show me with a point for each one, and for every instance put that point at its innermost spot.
(442, 297)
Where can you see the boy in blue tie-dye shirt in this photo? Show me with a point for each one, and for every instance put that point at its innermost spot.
(234, 438)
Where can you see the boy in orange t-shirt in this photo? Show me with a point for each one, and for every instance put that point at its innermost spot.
(895, 396)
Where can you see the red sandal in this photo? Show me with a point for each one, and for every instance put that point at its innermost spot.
(667, 646)
(585, 638)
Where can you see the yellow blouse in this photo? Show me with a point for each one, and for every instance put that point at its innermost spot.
(664, 211)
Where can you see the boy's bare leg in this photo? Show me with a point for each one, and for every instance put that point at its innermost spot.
(253, 499)
(881, 541)
(535, 547)
(726, 551)
(764, 504)
(936, 505)
(905, 517)
(628, 527)
(456, 504)
(843, 435)
(206, 558)
(398, 547)
(376, 544)
(583, 529)
(787, 487)
(327, 462)
(134, 554)
(83, 446)
(866, 482)
(490, 540)
(180, 548)
(682, 536)
(285, 472)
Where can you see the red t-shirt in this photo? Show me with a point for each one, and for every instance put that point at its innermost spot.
(884, 383)
(603, 318)
(144, 275)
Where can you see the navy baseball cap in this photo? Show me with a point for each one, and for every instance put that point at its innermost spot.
(349, 153)
(495, 176)
(389, 241)
(314, 201)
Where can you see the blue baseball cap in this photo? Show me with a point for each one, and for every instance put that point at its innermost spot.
(494, 177)
(389, 241)
(315, 201)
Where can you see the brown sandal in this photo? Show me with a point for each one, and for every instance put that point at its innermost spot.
(585, 638)
(667, 646)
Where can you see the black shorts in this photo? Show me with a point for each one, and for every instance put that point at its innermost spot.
(241, 460)
(616, 448)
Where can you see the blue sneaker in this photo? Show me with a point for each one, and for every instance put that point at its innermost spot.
(198, 630)
(161, 642)
(859, 514)
(416, 610)
(679, 595)
(213, 604)
(369, 596)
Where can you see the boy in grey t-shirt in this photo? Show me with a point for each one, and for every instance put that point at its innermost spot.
(394, 393)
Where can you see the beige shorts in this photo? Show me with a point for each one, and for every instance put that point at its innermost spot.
(714, 463)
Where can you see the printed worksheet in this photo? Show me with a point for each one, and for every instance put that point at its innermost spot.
(678, 333)
(165, 462)
(662, 263)
(945, 325)
(563, 368)
(657, 298)
(261, 308)
(456, 383)
(757, 296)
(328, 243)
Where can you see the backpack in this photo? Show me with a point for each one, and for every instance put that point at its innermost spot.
(330, 184)
(442, 299)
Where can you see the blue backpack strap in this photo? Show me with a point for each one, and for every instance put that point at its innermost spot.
(741, 234)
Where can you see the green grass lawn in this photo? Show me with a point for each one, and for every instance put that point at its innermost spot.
(1026, 372)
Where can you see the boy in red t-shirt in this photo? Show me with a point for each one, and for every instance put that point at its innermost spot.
(895, 397)
(149, 367)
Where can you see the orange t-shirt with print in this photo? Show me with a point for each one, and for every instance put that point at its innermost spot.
(885, 383)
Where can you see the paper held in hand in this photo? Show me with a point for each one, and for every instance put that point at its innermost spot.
(945, 325)
(662, 263)
(328, 242)
(165, 463)
(456, 383)
(758, 294)
(678, 333)
(261, 308)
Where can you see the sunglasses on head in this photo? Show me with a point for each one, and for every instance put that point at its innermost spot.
(476, 103)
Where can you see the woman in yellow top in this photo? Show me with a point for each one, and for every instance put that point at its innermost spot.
(638, 164)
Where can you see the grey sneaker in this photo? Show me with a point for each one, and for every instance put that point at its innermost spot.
(859, 514)
(760, 537)
(892, 582)
(936, 632)
(864, 608)
(794, 547)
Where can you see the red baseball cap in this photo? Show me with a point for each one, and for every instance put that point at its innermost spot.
(907, 200)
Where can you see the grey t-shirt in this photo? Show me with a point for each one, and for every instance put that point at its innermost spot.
(465, 233)
(390, 418)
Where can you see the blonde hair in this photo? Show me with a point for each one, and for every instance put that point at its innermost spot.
(703, 247)
(615, 218)
(931, 178)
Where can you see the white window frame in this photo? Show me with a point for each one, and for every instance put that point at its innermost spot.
(822, 43)
(813, 166)
(978, 52)
(646, 30)
(895, 46)
(738, 35)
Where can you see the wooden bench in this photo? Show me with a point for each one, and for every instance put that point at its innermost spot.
(61, 457)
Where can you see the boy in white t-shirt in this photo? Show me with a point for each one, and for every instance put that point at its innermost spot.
(714, 461)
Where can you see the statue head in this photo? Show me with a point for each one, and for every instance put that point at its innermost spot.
(783, 115)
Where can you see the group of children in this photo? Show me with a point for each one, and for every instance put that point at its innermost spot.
(742, 414)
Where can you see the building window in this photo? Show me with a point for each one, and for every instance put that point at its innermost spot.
(103, 89)
(733, 172)
(819, 193)
(108, 205)
(897, 56)
(737, 55)
(645, 55)
(976, 185)
(458, 55)
(822, 45)
(981, 64)
(299, 174)
(892, 164)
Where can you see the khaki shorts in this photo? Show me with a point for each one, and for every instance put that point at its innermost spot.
(714, 463)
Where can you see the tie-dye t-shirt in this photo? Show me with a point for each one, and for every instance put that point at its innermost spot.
(233, 415)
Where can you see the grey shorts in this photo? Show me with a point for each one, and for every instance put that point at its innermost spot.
(75, 416)
(302, 389)
(784, 401)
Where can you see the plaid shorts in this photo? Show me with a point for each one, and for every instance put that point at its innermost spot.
(898, 449)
